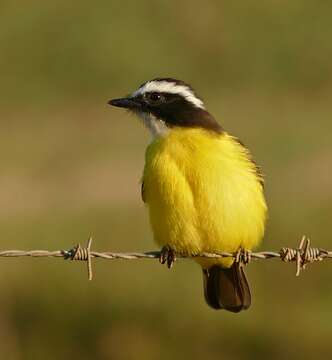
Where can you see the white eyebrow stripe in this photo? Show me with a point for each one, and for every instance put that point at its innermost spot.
(169, 87)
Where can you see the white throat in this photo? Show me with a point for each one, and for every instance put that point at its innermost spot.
(157, 127)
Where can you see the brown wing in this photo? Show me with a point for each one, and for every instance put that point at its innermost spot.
(143, 192)
(259, 173)
(257, 168)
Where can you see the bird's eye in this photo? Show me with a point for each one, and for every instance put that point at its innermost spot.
(154, 98)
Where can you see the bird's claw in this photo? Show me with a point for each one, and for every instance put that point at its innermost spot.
(167, 256)
(243, 256)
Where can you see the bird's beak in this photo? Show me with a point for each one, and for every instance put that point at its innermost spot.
(127, 103)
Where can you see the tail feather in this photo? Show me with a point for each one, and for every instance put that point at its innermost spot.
(226, 288)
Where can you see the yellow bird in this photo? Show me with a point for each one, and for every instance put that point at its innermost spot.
(202, 188)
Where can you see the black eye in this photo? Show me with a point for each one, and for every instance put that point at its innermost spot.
(154, 98)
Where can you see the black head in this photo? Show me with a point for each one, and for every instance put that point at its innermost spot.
(170, 101)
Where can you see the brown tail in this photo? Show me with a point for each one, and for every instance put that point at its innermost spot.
(226, 288)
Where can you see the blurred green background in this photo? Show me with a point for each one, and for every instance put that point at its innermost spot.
(70, 168)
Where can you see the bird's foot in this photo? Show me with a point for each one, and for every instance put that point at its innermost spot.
(167, 256)
(243, 256)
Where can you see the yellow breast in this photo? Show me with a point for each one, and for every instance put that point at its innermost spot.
(203, 193)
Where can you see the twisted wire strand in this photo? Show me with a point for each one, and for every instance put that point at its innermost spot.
(302, 255)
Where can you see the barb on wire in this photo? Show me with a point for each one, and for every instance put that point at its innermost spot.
(83, 254)
(302, 255)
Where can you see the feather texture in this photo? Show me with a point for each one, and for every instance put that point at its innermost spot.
(203, 194)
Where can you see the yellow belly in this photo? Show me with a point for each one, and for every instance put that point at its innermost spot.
(203, 193)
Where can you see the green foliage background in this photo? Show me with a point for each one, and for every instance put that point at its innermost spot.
(70, 167)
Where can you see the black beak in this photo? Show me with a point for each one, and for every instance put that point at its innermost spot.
(127, 103)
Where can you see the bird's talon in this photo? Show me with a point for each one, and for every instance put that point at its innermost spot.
(167, 256)
(243, 256)
(171, 259)
(163, 256)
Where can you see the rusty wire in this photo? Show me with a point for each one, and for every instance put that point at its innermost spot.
(302, 255)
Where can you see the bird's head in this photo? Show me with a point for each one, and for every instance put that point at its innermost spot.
(165, 103)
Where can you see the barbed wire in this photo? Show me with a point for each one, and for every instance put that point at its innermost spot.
(302, 255)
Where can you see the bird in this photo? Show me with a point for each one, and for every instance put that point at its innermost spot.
(203, 190)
